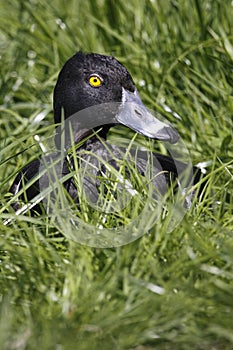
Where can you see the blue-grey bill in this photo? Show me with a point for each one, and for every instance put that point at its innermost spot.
(136, 116)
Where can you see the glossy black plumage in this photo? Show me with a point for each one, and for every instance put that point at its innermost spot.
(74, 93)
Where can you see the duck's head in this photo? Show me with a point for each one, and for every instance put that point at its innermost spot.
(91, 79)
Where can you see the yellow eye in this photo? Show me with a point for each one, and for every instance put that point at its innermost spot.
(95, 80)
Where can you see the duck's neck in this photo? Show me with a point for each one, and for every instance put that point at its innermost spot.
(84, 137)
(97, 133)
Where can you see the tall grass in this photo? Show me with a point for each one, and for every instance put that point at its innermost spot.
(163, 291)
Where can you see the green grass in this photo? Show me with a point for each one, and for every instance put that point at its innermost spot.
(163, 291)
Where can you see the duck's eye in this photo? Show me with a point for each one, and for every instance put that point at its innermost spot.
(95, 80)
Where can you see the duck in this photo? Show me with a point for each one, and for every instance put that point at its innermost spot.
(96, 92)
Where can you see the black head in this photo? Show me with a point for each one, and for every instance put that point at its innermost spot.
(88, 80)
(75, 89)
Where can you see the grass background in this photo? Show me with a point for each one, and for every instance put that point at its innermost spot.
(56, 294)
